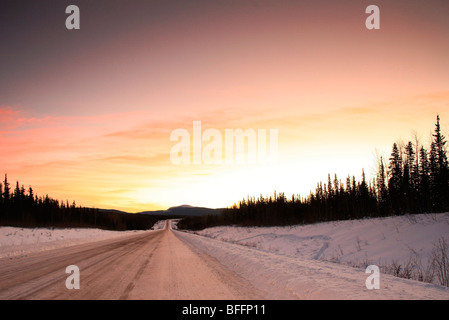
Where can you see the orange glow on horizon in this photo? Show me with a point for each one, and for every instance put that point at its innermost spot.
(127, 165)
(89, 116)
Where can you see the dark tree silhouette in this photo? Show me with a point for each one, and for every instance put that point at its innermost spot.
(383, 197)
(410, 183)
(21, 209)
(439, 171)
(7, 189)
(395, 185)
(424, 202)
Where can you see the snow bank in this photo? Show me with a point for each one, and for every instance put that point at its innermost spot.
(282, 277)
(19, 241)
(380, 241)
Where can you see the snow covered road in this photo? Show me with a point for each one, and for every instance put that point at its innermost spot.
(145, 265)
(170, 264)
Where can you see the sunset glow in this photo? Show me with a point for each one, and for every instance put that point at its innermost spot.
(87, 114)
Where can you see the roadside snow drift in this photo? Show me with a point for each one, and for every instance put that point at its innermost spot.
(281, 277)
(401, 245)
(20, 241)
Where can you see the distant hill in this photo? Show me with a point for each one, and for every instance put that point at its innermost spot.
(185, 210)
(110, 211)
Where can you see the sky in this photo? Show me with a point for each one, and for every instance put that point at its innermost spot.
(87, 114)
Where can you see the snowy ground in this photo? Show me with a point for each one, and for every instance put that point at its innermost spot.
(20, 241)
(396, 244)
(280, 277)
(296, 262)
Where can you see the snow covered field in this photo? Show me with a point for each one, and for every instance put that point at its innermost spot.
(17, 241)
(396, 244)
(20, 241)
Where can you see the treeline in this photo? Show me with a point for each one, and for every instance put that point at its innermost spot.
(415, 180)
(22, 208)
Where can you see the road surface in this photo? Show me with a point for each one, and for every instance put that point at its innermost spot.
(148, 265)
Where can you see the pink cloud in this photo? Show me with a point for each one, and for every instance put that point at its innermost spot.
(8, 117)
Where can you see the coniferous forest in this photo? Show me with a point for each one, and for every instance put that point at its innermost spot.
(412, 180)
(22, 208)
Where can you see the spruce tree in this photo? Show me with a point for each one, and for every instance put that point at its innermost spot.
(439, 171)
(382, 190)
(410, 178)
(424, 181)
(6, 192)
(17, 192)
(395, 180)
